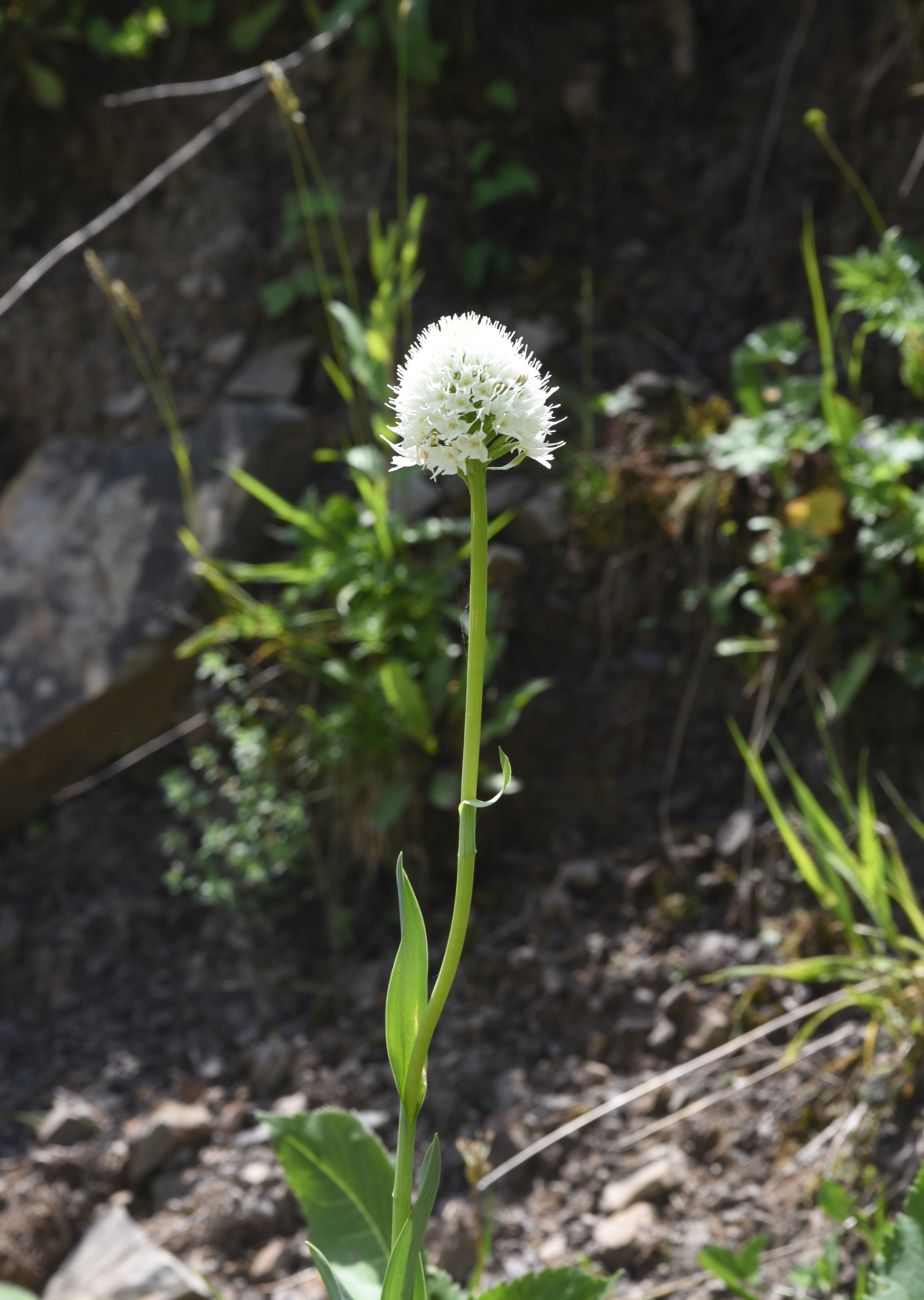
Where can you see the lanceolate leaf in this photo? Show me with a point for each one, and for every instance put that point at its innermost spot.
(342, 1177)
(333, 1288)
(407, 989)
(404, 1265)
(552, 1284)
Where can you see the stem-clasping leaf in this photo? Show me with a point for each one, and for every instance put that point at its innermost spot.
(406, 999)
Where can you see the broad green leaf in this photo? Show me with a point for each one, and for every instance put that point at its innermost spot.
(249, 30)
(404, 695)
(506, 776)
(440, 1286)
(508, 711)
(552, 1284)
(735, 1268)
(900, 1276)
(406, 999)
(404, 1262)
(342, 1177)
(835, 1201)
(331, 1284)
(8, 1292)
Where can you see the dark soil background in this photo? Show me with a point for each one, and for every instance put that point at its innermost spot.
(674, 171)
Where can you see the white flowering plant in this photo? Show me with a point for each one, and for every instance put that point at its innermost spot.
(469, 398)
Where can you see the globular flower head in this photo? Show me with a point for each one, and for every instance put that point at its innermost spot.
(470, 390)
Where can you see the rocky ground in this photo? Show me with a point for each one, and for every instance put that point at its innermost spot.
(142, 1039)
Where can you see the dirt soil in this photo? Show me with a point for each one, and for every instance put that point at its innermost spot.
(674, 169)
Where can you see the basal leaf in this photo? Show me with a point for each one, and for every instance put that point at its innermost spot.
(404, 1262)
(342, 1177)
(901, 1274)
(552, 1284)
(406, 999)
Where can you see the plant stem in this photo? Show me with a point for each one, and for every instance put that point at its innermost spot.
(476, 480)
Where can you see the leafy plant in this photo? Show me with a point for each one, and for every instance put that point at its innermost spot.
(348, 722)
(858, 875)
(838, 533)
(892, 1267)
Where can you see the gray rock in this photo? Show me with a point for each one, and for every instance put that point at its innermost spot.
(273, 375)
(712, 1027)
(627, 1233)
(581, 875)
(710, 951)
(270, 1065)
(122, 406)
(116, 1260)
(734, 832)
(153, 1138)
(92, 579)
(541, 519)
(225, 351)
(70, 1120)
(652, 1182)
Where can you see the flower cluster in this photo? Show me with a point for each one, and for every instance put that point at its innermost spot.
(470, 390)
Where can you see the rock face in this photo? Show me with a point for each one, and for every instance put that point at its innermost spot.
(92, 578)
(117, 1261)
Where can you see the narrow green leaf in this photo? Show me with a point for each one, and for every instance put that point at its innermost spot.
(404, 1262)
(406, 999)
(340, 381)
(282, 509)
(552, 1284)
(506, 776)
(404, 695)
(331, 1283)
(342, 1177)
(847, 684)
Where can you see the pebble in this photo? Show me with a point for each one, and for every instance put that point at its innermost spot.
(70, 1120)
(625, 1233)
(652, 1182)
(122, 406)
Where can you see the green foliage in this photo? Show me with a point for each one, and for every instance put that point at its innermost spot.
(8, 1292)
(838, 535)
(900, 1274)
(892, 1267)
(739, 1270)
(342, 1178)
(406, 1000)
(405, 1276)
(858, 875)
(551, 1284)
(341, 667)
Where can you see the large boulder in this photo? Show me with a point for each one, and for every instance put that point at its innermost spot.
(95, 586)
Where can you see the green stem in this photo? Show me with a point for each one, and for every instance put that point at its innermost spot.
(465, 872)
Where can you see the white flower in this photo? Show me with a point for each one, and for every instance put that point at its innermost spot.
(471, 390)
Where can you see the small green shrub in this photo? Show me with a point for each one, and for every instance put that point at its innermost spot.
(834, 531)
(892, 1266)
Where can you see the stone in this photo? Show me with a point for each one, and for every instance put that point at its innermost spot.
(581, 875)
(94, 585)
(154, 1137)
(122, 406)
(627, 1233)
(116, 1260)
(710, 950)
(541, 520)
(711, 1027)
(276, 374)
(652, 1182)
(270, 1065)
(734, 832)
(265, 1264)
(225, 351)
(70, 1120)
